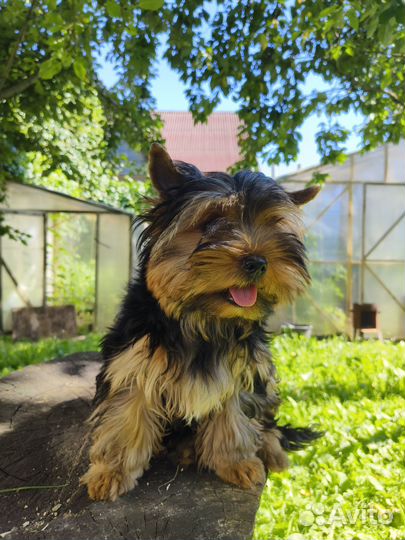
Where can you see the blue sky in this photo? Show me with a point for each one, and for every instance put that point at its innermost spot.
(168, 91)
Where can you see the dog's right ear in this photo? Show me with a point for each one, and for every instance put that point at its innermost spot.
(162, 170)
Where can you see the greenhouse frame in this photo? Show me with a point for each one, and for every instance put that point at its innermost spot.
(104, 240)
(355, 234)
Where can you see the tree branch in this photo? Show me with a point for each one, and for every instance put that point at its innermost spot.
(394, 97)
(14, 51)
(18, 87)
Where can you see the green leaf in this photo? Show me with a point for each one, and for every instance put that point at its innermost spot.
(349, 50)
(39, 89)
(336, 52)
(151, 5)
(318, 179)
(372, 27)
(264, 42)
(385, 33)
(66, 60)
(328, 11)
(79, 67)
(54, 21)
(353, 19)
(113, 8)
(50, 68)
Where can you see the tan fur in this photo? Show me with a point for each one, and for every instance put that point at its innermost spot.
(272, 453)
(195, 256)
(227, 443)
(186, 396)
(127, 433)
(173, 265)
(130, 423)
(246, 474)
(147, 392)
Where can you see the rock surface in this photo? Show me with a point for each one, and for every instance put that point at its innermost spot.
(43, 452)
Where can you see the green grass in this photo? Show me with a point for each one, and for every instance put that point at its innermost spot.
(23, 353)
(350, 484)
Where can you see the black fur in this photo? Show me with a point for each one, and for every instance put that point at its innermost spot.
(140, 314)
(297, 438)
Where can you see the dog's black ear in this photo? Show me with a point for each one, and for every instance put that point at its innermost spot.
(162, 170)
(303, 196)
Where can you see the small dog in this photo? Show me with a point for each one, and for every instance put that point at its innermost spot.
(189, 346)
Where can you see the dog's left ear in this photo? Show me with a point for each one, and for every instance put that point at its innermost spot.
(162, 170)
(303, 196)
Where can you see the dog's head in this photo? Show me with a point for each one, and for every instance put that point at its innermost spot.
(226, 246)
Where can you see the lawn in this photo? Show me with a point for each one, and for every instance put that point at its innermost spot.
(349, 485)
(23, 353)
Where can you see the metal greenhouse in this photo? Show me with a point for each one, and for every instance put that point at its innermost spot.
(356, 240)
(74, 251)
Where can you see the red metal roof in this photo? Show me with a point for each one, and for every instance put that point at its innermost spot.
(211, 147)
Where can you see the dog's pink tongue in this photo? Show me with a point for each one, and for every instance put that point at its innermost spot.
(245, 297)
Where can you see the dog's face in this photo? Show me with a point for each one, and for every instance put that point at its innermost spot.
(227, 246)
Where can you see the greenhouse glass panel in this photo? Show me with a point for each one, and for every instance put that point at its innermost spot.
(358, 226)
(71, 264)
(369, 167)
(282, 314)
(26, 263)
(392, 247)
(384, 286)
(396, 162)
(327, 224)
(377, 222)
(325, 304)
(356, 284)
(338, 173)
(114, 261)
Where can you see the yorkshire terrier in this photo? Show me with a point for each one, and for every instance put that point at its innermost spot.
(189, 345)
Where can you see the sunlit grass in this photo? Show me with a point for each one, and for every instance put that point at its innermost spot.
(23, 353)
(350, 484)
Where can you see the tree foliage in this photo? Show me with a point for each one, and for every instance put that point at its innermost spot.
(260, 53)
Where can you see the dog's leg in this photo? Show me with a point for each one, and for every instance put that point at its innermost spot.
(227, 443)
(271, 452)
(126, 437)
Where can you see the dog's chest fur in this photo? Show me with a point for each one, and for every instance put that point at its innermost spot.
(190, 377)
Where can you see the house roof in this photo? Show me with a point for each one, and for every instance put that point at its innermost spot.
(211, 147)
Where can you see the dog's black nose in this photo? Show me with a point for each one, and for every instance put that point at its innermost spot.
(254, 266)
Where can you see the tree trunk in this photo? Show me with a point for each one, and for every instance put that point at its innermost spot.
(43, 452)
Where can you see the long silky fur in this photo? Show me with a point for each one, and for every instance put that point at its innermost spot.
(157, 363)
(140, 314)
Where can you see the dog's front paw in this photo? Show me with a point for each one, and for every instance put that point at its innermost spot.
(272, 453)
(104, 483)
(246, 474)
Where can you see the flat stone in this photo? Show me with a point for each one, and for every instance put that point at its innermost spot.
(43, 452)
